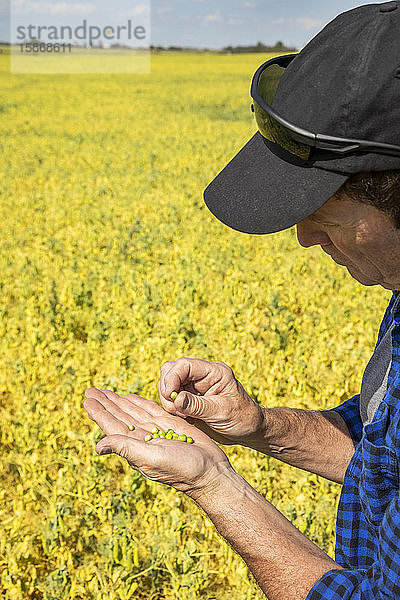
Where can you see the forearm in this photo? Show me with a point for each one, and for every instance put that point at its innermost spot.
(318, 442)
(284, 562)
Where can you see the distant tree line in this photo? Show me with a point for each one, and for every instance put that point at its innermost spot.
(178, 49)
(259, 47)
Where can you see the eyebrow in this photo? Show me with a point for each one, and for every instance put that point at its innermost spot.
(322, 221)
(315, 219)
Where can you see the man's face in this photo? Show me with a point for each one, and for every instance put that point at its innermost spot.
(357, 236)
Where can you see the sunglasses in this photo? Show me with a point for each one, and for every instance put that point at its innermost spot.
(296, 140)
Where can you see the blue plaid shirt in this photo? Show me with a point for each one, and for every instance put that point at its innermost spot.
(368, 518)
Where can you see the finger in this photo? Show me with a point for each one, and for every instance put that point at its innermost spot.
(138, 453)
(186, 372)
(167, 405)
(159, 417)
(165, 368)
(129, 411)
(199, 407)
(175, 376)
(102, 395)
(150, 407)
(93, 393)
(127, 406)
(111, 395)
(140, 432)
(103, 417)
(135, 405)
(154, 413)
(111, 401)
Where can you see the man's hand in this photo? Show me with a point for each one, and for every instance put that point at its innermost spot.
(283, 561)
(212, 398)
(188, 468)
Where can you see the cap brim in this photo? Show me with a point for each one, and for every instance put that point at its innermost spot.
(259, 192)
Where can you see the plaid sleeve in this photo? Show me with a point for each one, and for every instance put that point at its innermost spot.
(350, 413)
(339, 584)
(381, 581)
(368, 529)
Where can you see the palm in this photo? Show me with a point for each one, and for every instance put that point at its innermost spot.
(183, 466)
(175, 463)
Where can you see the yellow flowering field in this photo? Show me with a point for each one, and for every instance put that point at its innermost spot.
(110, 265)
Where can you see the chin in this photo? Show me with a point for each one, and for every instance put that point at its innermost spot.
(363, 280)
(392, 288)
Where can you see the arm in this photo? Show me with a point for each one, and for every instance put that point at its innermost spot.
(317, 441)
(217, 403)
(284, 562)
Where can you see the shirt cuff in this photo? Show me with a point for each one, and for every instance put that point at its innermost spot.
(339, 584)
(350, 413)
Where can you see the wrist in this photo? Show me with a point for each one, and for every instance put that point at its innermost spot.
(259, 440)
(279, 431)
(216, 484)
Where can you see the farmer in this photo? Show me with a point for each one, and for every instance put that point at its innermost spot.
(326, 158)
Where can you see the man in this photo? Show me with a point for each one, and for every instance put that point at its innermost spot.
(326, 158)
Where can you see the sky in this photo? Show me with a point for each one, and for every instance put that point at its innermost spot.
(199, 23)
(219, 23)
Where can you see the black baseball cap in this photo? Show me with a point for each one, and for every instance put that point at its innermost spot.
(346, 83)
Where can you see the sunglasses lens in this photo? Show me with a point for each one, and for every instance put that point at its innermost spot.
(267, 125)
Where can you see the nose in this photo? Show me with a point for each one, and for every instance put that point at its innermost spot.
(311, 234)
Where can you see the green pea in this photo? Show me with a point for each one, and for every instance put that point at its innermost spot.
(161, 435)
(175, 436)
(155, 435)
(170, 431)
(131, 428)
(189, 440)
(182, 438)
(174, 395)
(161, 431)
(154, 430)
(168, 436)
(148, 437)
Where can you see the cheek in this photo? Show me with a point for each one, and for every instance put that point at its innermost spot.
(351, 250)
(369, 241)
(359, 250)
(345, 243)
(360, 241)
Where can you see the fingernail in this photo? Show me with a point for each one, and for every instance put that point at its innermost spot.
(104, 450)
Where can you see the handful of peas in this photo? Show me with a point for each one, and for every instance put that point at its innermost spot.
(170, 434)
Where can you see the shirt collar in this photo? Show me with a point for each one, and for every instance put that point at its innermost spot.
(396, 306)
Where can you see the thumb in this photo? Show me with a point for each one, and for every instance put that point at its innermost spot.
(137, 453)
(190, 405)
